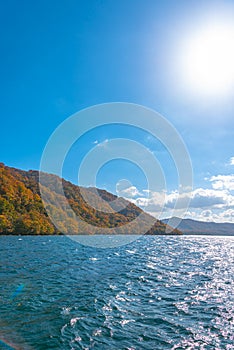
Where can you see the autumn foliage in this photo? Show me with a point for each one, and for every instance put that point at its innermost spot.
(22, 210)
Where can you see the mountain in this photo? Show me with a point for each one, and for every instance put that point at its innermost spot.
(22, 210)
(194, 227)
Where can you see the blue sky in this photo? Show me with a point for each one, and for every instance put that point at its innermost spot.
(58, 57)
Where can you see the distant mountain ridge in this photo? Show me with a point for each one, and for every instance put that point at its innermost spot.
(22, 210)
(195, 227)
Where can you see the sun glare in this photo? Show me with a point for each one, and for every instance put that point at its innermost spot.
(208, 60)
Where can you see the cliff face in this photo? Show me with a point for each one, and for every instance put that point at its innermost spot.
(22, 210)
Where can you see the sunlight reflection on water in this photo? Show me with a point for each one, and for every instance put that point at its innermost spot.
(155, 293)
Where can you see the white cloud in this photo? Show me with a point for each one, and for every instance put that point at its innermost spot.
(228, 215)
(199, 198)
(95, 142)
(154, 202)
(104, 143)
(210, 215)
(206, 204)
(221, 182)
(206, 213)
(129, 192)
(231, 161)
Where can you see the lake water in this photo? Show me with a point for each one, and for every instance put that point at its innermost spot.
(155, 293)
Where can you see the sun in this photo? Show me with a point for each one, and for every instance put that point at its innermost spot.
(208, 59)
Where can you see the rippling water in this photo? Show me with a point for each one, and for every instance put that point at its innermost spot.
(155, 293)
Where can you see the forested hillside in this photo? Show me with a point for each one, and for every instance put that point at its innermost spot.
(22, 210)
